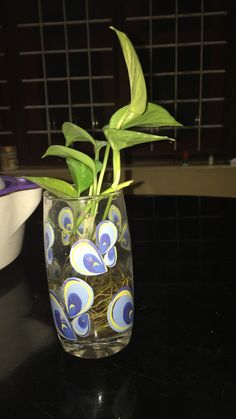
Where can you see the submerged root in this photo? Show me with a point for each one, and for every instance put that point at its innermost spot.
(105, 287)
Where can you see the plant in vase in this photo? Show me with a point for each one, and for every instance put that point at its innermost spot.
(86, 234)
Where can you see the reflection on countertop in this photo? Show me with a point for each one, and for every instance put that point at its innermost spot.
(23, 334)
(181, 359)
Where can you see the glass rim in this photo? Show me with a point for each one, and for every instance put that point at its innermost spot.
(51, 196)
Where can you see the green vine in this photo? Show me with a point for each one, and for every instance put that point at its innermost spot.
(88, 172)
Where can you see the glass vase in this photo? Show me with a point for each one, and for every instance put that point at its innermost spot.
(89, 269)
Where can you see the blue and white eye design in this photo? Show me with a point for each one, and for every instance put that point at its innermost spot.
(78, 296)
(82, 325)
(86, 259)
(125, 237)
(114, 215)
(61, 322)
(110, 257)
(65, 237)
(66, 219)
(66, 223)
(120, 310)
(49, 238)
(106, 236)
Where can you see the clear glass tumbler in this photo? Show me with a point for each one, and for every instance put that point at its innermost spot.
(89, 269)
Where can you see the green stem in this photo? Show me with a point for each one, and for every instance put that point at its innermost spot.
(94, 204)
(101, 176)
(96, 155)
(83, 215)
(95, 184)
(95, 188)
(105, 214)
(91, 190)
(116, 179)
(116, 168)
(104, 166)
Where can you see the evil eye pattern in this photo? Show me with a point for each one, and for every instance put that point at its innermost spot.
(49, 238)
(106, 236)
(110, 257)
(82, 325)
(66, 223)
(120, 310)
(65, 237)
(66, 219)
(114, 215)
(78, 296)
(125, 237)
(48, 235)
(90, 259)
(61, 321)
(86, 259)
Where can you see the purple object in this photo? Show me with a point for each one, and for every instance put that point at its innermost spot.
(14, 184)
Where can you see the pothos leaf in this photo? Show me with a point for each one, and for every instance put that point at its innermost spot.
(74, 133)
(138, 91)
(78, 173)
(62, 151)
(98, 165)
(154, 116)
(56, 186)
(100, 144)
(118, 116)
(81, 174)
(120, 139)
(138, 113)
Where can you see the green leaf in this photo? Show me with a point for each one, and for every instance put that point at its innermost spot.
(138, 91)
(56, 186)
(77, 170)
(154, 116)
(62, 151)
(118, 116)
(118, 187)
(74, 133)
(81, 174)
(100, 144)
(98, 165)
(120, 139)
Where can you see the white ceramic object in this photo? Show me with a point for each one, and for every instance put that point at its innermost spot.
(15, 208)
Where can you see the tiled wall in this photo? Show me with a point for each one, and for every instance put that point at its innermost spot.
(182, 239)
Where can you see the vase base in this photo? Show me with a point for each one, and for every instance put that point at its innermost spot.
(95, 350)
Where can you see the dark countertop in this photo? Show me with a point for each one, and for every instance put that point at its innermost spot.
(181, 361)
